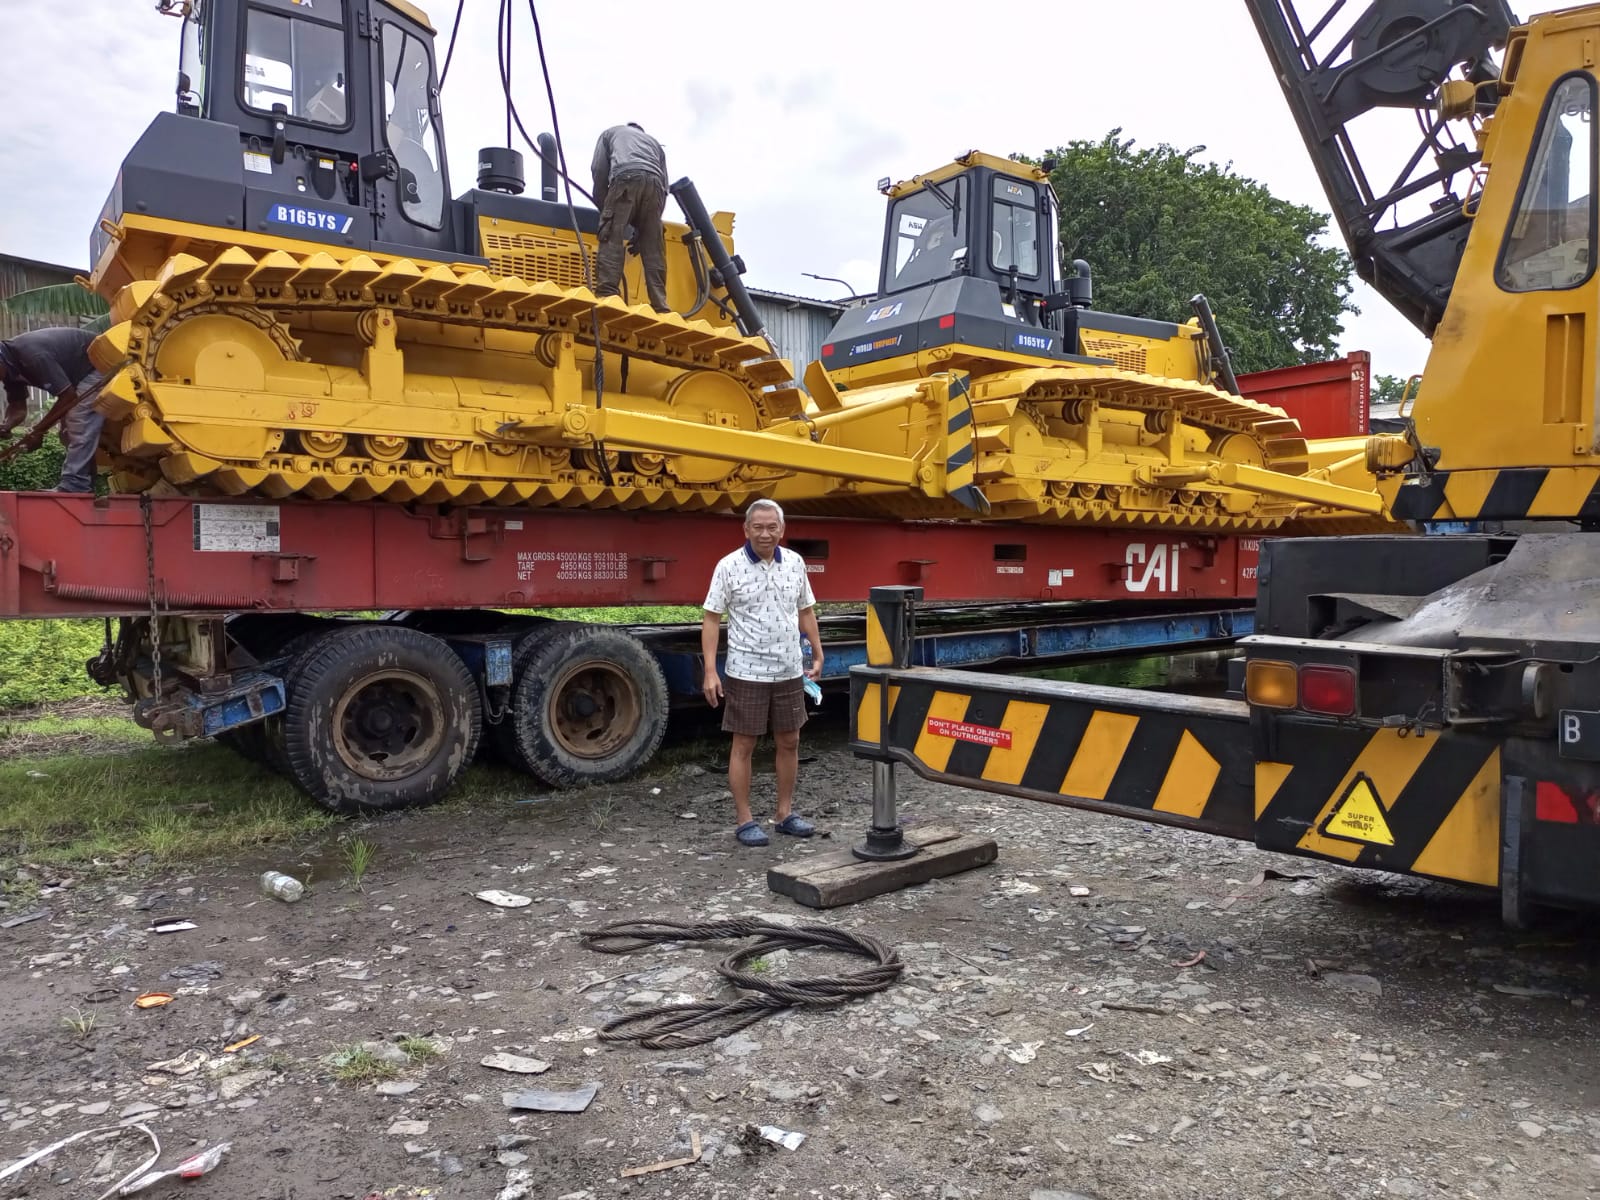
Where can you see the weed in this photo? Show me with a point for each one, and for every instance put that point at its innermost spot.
(757, 966)
(278, 1062)
(600, 810)
(81, 1023)
(357, 1064)
(163, 835)
(420, 1049)
(358, 855)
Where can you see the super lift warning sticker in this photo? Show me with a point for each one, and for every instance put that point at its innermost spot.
(236, 528)
(983, 735)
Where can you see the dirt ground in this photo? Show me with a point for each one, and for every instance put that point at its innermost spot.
(1343, 1034)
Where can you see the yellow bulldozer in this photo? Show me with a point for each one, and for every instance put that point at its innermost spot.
(301, 309)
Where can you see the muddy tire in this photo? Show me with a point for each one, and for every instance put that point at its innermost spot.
(249, 742)
(379, 717)
(589, 706)
(273, 755)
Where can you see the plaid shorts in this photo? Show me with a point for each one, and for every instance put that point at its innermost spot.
(751, 708)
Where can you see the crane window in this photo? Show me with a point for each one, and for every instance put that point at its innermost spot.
(408, 125)
(295, 62)
(1014, 235)
(927, 235)
(1550, 244)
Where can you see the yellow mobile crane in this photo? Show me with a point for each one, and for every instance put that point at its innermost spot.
(301, 309)
(1426, 705)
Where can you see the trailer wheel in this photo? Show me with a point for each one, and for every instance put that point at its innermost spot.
(274, 755)
(249, 742)
(589, 706)
(379, 717)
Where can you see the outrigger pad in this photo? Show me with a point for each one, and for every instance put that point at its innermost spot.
(832, 880)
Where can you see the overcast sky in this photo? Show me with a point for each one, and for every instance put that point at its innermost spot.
(785, 113)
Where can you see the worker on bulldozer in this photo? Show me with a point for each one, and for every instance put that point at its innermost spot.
(630, 188)
(54, 360)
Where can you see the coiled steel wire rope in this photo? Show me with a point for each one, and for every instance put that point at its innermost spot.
(679, 1026)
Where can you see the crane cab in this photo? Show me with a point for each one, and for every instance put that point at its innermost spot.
(970, 278)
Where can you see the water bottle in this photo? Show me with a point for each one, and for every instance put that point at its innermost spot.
(282, 887)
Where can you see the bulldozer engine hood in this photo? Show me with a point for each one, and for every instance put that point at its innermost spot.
(968, 312)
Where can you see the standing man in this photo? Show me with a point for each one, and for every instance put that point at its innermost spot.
(57, 361)
(630, 188)
(767, 596)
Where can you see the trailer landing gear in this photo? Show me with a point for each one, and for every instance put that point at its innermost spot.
(889, 858)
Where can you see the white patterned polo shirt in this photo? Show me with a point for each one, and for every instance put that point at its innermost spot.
(763, 601)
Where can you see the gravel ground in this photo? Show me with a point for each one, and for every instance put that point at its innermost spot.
(1112, 1010)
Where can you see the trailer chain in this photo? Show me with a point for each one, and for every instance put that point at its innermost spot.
(150, 585)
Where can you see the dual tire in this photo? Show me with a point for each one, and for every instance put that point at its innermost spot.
(382, 717)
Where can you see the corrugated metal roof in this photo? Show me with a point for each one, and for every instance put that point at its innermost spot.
(833, 306)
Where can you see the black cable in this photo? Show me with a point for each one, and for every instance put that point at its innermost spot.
(450, 50)
(577, 234)
(679, 1026)
(503, 45)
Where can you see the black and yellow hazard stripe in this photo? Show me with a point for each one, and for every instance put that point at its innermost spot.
(1181, 760)
(1509, 494)
(1439, 796)
(961, 451)
(1175, 759)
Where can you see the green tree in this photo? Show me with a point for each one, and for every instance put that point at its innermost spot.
(1388, 389)
(1158, 225)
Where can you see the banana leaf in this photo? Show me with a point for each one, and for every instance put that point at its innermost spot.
(61, 300)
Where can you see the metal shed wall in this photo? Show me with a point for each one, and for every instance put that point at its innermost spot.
(24, 275)
(798, 325)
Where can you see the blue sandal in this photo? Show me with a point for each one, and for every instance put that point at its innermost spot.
(795, 826)
(751, 834)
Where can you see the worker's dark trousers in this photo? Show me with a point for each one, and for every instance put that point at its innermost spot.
(81, 429)
(636, 200)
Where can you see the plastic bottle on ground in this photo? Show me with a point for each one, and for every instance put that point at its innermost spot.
(282, 887)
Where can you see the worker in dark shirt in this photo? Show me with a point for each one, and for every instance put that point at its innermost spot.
(55, 361)
(630, 188)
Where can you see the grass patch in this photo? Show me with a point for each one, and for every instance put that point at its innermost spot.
(79, 1022)
(23, 733)
(357, 1064)
(173, 803)
(357, 854)
(420, 1049)
(646, 614)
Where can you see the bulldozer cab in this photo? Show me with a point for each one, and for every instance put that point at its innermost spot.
(336, 106)
(970, 277)
(980, 217)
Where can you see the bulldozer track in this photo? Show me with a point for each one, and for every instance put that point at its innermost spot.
(283, 296)
(211, 415)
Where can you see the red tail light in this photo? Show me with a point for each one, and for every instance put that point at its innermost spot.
(1330, 691)
(827, 351)
(948, 321)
